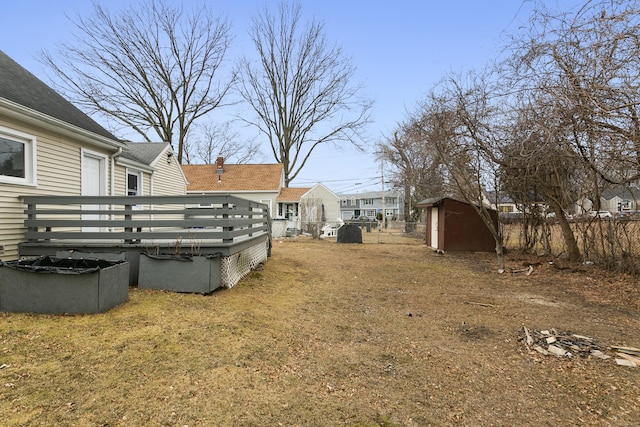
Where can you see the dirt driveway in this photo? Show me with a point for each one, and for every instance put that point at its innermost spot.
(385, 333)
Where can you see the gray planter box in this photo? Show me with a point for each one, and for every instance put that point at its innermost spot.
(57, 286)
(195, 274)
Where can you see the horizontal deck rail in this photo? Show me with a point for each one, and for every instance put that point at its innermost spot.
(186, 219)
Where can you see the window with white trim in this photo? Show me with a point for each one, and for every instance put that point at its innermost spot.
(134, 183)
(17, 157)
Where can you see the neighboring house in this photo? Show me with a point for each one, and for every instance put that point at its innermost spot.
(47, 147)
(289, 207)
(303, 208)
(257, 182)
(620, 200)
(502, 203)
(149, 169)
(455, 225)
(353, 206)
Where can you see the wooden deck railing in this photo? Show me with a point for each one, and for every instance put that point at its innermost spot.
(134, 219)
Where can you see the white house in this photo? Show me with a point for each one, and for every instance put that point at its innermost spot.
(308, 209)
(47, 147)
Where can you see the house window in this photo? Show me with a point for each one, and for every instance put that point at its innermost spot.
(627, 205)
(134, 183)
(17, 157)
(390, 200)
(367, 201)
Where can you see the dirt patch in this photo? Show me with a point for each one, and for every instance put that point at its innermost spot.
(384, 333)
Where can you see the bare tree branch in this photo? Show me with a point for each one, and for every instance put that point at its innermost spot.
(152, 68)
(300, 89)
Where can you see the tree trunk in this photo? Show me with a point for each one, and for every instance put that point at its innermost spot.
(500, 255)
(567, 233)
(408, 218)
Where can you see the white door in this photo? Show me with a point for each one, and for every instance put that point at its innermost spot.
(93, 183)
(434, 227)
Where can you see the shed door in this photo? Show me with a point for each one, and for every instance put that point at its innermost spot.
(434, 227)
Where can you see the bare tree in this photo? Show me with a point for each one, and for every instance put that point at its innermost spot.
(414, 165)
(212, 141)
(312, 216)
(300, 88)
(463, 127)
(577, 72)
(587, 61)
(540, 166)
(152, 68)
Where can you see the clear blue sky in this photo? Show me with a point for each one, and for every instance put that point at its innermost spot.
(400, 49)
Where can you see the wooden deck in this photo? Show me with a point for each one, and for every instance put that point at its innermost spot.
(109, 225)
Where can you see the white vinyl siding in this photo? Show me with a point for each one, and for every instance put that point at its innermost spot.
(167, 179)
(58, 173)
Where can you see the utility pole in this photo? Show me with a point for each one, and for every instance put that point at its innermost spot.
(384, 216)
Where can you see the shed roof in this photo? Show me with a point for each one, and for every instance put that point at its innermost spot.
(21, 87)
(438, 200)
(245, 177)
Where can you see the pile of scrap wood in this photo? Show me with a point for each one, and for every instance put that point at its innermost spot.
(567, 344)
(627, 356)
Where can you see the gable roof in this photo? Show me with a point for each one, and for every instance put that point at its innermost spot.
(437, 201)
(623, 192)
(144, 152)
(371, 194)
(291, 194)
(23, 88)
(246, 177)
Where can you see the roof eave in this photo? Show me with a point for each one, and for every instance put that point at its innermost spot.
(20, 112)
(121, 161)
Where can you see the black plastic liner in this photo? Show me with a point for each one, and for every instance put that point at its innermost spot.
(46, 264)
(181, 257)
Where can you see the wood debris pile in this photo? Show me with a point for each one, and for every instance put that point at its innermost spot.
(567, 344)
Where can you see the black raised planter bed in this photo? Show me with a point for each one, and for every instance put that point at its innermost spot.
(63, 285)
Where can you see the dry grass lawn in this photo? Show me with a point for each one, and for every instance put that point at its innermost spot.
(384, 333)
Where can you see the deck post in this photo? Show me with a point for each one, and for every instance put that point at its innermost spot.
(225, 215)
(127, 216)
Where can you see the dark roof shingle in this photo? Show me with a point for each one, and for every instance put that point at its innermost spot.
(20, 86)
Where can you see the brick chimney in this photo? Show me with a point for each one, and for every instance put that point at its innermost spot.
(219, 167)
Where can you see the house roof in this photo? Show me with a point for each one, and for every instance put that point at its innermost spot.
(434, 201)
(291, 194)
(371, 194)
(21, 87)
(144, 152)
(246, 177)
(630, 193)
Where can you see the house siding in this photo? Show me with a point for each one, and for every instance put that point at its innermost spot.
(267, 197)
(329, 199)
(57, 173)
(168, 179)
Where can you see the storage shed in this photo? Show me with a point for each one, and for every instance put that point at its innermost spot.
(454, 225)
